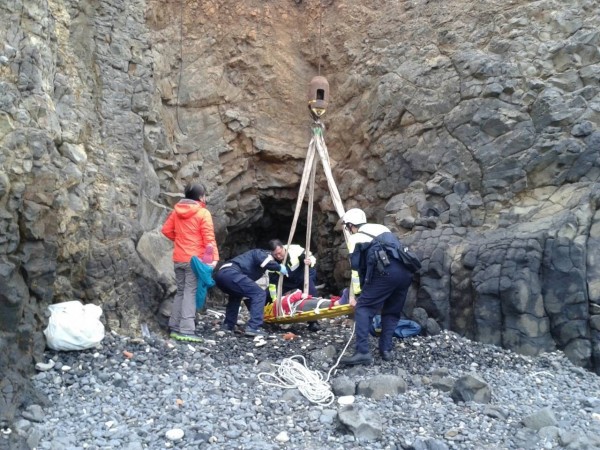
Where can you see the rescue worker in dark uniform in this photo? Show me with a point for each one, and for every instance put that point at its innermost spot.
(295, 263)
(382, 287)
(237, 278)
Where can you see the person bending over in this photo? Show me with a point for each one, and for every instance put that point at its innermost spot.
(237, 278)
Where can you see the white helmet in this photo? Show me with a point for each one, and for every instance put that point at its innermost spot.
(354, 216)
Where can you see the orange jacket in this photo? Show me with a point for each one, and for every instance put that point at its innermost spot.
(190, 227)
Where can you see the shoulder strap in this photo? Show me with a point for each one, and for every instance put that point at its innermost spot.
(368, 234)
(386, 244)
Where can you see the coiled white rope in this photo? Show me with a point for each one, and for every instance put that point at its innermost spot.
(293, 373)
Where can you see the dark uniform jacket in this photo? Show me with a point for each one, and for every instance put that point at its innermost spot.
(254, 263)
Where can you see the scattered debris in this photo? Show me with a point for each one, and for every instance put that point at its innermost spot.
(43, 367)
(346, 400)
(289, 336)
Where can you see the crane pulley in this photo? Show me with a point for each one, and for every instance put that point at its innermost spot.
(318, 96)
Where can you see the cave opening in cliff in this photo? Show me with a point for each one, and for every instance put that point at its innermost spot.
(275, 223)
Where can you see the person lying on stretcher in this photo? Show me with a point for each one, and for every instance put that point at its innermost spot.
(295, 301)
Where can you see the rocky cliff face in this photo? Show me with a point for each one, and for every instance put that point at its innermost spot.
(470, 128)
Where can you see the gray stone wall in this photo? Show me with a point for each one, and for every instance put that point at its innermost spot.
(77, 189)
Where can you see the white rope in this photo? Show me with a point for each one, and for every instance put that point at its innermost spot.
(319, 302)
(543, 372)
(292, 373)
(293, 306)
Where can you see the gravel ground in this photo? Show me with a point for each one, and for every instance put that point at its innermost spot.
(158, 393)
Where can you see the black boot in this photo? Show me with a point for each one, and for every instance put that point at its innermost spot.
(357, 359)
(387, 355)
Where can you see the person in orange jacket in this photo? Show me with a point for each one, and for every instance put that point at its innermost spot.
(190, 227)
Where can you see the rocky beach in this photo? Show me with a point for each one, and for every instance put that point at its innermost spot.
(440, 392)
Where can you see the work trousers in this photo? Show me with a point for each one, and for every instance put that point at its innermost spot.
(386, 292)
(237, 285)
(183, 312)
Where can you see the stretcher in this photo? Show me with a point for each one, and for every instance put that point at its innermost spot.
(293, 308)
(307, 316)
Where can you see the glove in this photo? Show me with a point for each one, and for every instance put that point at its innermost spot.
(283, 270)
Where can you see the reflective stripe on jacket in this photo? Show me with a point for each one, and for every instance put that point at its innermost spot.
(371, 228)
(294, 253)
(295, 265)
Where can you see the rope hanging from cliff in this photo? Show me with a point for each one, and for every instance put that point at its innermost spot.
(320, 29)
(181, 3)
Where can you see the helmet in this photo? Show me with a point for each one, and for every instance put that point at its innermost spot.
(354, 216)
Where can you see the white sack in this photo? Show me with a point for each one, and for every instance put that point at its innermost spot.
(74, 326)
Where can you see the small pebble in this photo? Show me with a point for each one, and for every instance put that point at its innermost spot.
(174, 434)
(282, 437)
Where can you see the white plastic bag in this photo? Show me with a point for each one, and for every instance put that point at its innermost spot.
(74, 326)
